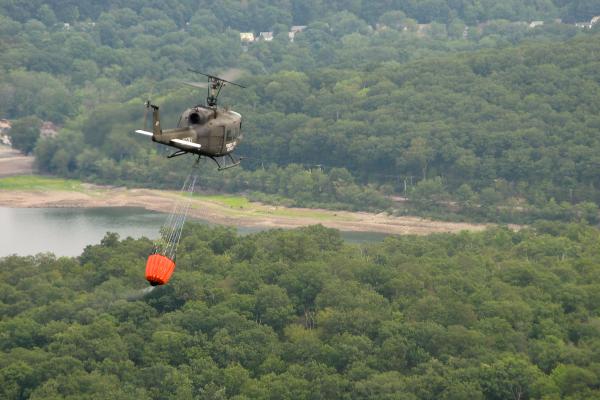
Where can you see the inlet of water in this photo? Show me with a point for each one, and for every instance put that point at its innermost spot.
(66, 231)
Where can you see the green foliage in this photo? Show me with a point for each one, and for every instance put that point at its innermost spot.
(300, 315)
(263, 15)
(363, 101)
(25, 182)
(24, 133)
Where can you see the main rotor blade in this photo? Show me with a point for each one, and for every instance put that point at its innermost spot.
(198, 85)
(230, 72)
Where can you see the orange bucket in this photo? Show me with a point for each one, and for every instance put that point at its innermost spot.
(159, 269)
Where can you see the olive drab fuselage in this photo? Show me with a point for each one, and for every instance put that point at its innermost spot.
(218, 131)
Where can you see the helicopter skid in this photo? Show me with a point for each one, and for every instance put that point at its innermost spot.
(178, 153)
(234, 162)
(220, 165)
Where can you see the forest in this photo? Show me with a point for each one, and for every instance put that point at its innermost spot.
(475, 112)
(454, 109)
(264, 14)
(299, 315)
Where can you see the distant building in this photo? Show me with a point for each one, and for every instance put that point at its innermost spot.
(89, 26)
(266, 36)
(595, 20)
(247, 37)
(5, 126)
(294, 30)
(423, 29)
(583, 25)
(535, 24)
(48, 129)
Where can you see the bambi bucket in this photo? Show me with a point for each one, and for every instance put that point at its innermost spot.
(159, 269)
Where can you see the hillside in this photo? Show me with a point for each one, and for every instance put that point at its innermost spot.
(471, 110)
(495, 122)
(264, 14)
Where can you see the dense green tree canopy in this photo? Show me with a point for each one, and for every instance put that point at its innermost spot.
(263, 14)
(472, 98)
(300, 315)
(24, 133)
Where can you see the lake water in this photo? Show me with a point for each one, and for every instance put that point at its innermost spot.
(66, 231)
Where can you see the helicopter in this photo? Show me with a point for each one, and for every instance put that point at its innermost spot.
(205, 130)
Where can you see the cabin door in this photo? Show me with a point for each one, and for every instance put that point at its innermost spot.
(222, 139)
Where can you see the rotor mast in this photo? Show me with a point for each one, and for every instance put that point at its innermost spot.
(215, 84)
(214, 88)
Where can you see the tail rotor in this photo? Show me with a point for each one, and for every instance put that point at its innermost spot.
(147, 105)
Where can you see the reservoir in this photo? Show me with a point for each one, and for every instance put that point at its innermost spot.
(66, 231)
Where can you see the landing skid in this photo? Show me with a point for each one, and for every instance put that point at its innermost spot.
(178, 153)
(234, 162)
(220, 165)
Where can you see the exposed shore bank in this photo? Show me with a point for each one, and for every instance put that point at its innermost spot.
(228, 210)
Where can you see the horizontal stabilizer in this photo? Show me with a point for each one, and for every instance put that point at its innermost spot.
(142, 132)
(185, 143)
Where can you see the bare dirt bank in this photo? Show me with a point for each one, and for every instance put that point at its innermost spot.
(13, 162)
(252, 215)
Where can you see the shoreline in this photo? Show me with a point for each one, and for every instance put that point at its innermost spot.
(250, 214)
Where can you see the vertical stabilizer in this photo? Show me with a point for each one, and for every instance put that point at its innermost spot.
(156, 129)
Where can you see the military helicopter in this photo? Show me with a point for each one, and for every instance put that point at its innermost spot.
(205, 130)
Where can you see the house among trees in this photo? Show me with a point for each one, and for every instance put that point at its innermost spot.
(247, 37)
(294, 30)
(423, 29)
(534, 24)
(5, 126)
(465, 32)
(48, 129)
(265, 36)
(588, 25)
